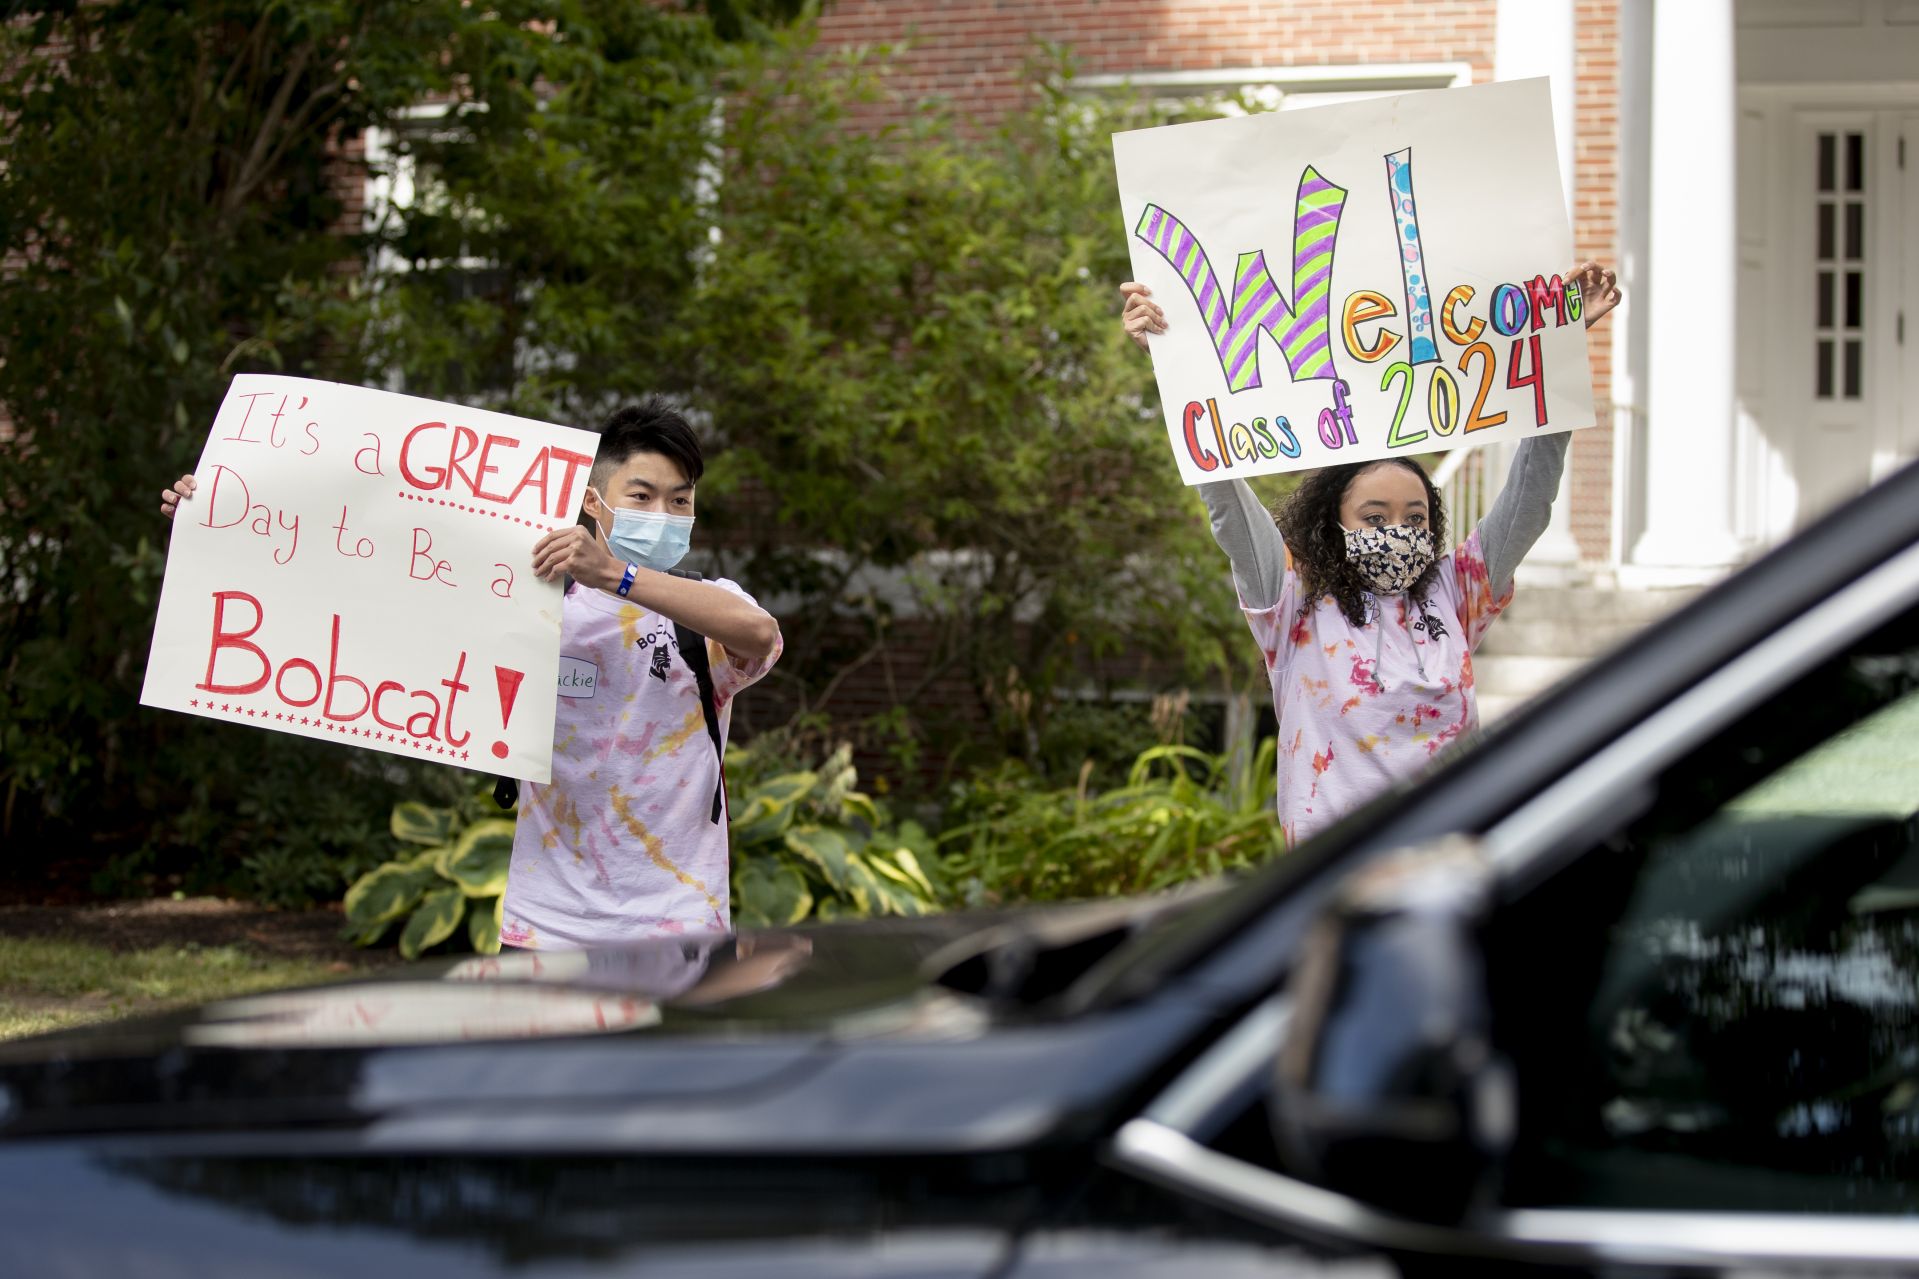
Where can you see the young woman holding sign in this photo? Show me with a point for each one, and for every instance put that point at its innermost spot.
(1367, 631)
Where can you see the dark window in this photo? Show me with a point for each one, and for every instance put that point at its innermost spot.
(1839, 225)
(1726, 1009)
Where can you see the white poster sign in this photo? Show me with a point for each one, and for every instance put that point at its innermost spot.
(1360, 281)
(357, 566)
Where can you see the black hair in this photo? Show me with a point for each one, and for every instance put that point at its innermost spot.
(651, 426)
(1309, 521)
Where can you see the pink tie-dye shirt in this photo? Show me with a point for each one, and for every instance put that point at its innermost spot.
(1360, 707)
(621, 845)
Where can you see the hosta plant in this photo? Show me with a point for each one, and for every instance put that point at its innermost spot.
(447, 884)
(807, 845)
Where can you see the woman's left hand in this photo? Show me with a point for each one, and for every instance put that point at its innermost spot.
(1599, 290)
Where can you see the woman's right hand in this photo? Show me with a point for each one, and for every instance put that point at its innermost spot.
(182, 490)
(1142, 315)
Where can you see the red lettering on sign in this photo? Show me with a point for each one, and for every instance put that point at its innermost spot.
(334, 679)
(434, 721)
(453, 689)
(420, 467)
(487, 468)
(380, 692)
(223, 638)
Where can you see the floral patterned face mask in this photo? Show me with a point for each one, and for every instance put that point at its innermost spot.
(1390, 558)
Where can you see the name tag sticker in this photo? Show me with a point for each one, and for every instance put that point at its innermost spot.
(578, 678)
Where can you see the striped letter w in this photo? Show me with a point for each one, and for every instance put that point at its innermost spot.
(1301, 328)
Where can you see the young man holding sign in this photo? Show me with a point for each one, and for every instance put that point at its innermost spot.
(629, 840)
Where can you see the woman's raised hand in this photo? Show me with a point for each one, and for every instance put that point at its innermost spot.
(1599, 290)
(1141, 315)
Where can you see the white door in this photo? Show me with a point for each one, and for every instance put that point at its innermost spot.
(1839, 169)
(1859, 238)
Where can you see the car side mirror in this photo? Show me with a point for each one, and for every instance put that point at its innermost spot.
(1387, 1086)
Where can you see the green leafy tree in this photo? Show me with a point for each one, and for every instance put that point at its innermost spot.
(172, 212)
(907, 340)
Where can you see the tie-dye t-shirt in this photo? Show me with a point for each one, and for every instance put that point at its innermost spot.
(621, 844)
(1360, 707)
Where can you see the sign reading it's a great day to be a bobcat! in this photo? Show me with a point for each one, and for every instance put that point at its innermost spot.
(357, 566)
(1352, 282)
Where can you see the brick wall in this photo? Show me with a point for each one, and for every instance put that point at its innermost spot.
(974, 53)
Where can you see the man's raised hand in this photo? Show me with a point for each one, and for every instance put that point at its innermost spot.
(182, 490)
(577, 553)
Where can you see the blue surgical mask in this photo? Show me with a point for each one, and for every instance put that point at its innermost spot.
(651, 539)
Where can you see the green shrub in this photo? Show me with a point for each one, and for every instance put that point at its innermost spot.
(457, 875)
(1182, 814)
(807, 845)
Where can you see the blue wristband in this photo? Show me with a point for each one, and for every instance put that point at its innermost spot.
(626, 583)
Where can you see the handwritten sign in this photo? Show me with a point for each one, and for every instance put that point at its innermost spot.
(357, 566)
(1358, 281)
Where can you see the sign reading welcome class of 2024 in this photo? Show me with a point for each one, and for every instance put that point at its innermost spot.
(1419, 301)
(357, 565)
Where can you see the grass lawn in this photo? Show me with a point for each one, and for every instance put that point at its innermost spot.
(1871, 769)
(50, 982)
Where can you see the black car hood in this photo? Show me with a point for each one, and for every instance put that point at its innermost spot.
(677, 1042)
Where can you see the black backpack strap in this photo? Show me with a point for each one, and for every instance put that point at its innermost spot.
(693, 653)
(693, 650)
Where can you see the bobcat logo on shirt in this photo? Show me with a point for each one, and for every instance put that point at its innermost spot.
(1430, 623)
(662, 660)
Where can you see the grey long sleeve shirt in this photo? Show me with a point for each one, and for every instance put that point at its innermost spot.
(1245, 530)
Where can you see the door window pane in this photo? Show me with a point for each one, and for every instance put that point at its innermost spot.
(1839, 232)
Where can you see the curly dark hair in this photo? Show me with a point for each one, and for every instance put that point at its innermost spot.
(1309, 521)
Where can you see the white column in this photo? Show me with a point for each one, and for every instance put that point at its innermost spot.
(1535, 38)
(1628, 323)
(1693, 255)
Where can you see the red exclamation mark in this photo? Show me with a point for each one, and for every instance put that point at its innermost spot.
(509, 682)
